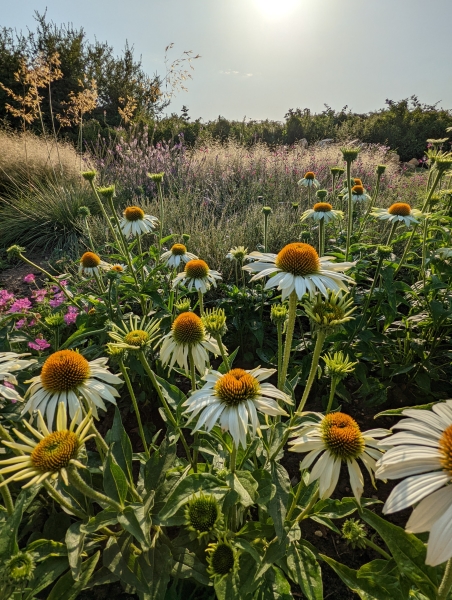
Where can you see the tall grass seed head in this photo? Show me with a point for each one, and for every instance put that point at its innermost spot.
(156, 177)
(349, 153)
(338, 365)
(328, 314)
(89, 175)
(214, 322)
(380, 169)
(107, 192)
(278, 314)
(203, 517)
(321, 194)
(267, 210)
(354, 533)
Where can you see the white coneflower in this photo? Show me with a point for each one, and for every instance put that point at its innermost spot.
(198, 275)
(237, 253)
(422, 452)
(233, 400)
(65, 376)
(136, 222)
(177, 255)
(118, 268)
(91, 264)
(10, 362)
(309, 180)
(188, 335)
(359, 194)
(322, 210)
(336, 438)
(298, 268)
(400, 211)
(50, 454)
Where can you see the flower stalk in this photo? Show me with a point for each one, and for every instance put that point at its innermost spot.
(135, 405)
(289, 336)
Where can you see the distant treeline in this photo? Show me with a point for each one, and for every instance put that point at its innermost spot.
(55, 78)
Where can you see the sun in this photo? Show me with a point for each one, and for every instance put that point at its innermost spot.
(276, 8)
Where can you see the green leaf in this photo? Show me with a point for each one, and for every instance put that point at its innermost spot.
(102, 519)
(277, 507)
(158, 464)
(45, 574)
(122, 447)
(226, 588)
(338, 509)
(398, 411)
(156, 565)
(115, 481)
(266, 488)
(382, 587)
(186, 488)
(68, 589)
(74, 543)
(231, 358)
(173, 395)
(8, 532)
(115, 559)
(134, 521)
(274, 587)
(408, 551)
(304, 569)
(42, 549)
(188, 565)
(245, 485)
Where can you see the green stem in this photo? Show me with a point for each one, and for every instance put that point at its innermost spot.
(192, 370)
(160, 195)
(279, 328)
(321, 236)
(89, 235)
(104, 212)
(350, 209)
(371, 204)
(140, 251)
(446, 583)
(7, 498)
(99, 283)
(321, 335)
(289, 335)
(415, 226)
(224, 356)
(236, 273)
(233, 459)
(374, 546)
(334, 382)
(201, 303)
(265, 231)
(62, 500)
(135, 406)
(166, 408)
(85, 489)
(304, 512)
(300, 487)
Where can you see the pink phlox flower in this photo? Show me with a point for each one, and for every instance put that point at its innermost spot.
(71, 315)
(57, 300)
(5, 297)
(21, 323)
(29, 278)
(39, 344)
(20, 305)
(39, 295)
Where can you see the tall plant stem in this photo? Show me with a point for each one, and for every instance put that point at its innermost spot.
(321, 335)
(415, 226)
(201, 303)
(161, 217)
(166, 408)
(371, 204)
(233, 458)
(279, 328)
(321, 237)
(6, 496)
(88, 230)
(140, 251)
(135, 405)
(104, 213)
(350, 209)
(446, 583)
(83, 487)
(55, 494)
(100, 285)
(289, 335)
(192, 370)
(265, 233)
(334, 382)
(223, 352)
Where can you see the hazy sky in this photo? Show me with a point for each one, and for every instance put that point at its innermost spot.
(262, 57)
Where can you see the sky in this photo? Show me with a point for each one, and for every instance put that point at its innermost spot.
(260, 58)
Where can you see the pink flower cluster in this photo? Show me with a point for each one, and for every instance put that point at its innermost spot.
(30, 278)
(20, 305)
(39, 344)
(39, 295)
(71, 315)
(5, 298)
(57, 300)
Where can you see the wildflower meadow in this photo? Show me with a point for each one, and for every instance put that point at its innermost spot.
(225, 370)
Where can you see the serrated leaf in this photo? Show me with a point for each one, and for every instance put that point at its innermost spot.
(305, 571)
(68, 589)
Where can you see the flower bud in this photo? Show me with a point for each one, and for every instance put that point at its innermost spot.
(381, 169)
(84, 211)
(89, 175)
(278, 314)
(156, 177)
(384, 251)
(321, 194)
(15, 250)
(354, 533)
(106, 192)
(215, 322)
(267, 210)
(349, 153)
(55, 320)
(183, 305)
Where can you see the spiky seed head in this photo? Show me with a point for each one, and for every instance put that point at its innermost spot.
(19, 568)
(222, 559)
(107, 192)
(84, 211)
(278, 313)
(338, 365)
(89, 175)
(342, 436)
(214, 321)
(384, 251)
(328, 314)
(354, 533)
(183, 305)
(203, 516)
(349, 153)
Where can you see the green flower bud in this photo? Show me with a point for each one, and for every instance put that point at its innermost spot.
(305, 236)
(338, 365)
(84, 211)
(267, 210)
(183, 305)
(222, 559)
(349, 153)
(89, 175)
(295, 205)
(328, 314)
(238, 253)
(15, 250)
(381, 169)
(384, 251)
(214, 322)
(278, 314)
(354, 533)
(186, 238)
(156, 177)
(337, 171)
(55, 320)
(19, 568)
(115, 352)
(443, 162)
(203, 516)
(321, 194)
(106, 192)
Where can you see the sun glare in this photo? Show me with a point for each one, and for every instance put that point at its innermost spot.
(276, 8)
